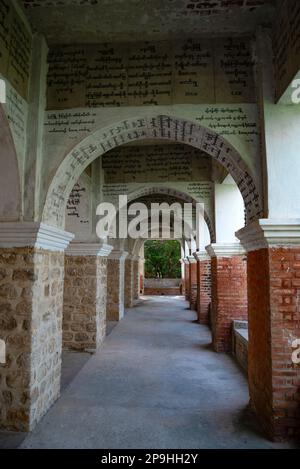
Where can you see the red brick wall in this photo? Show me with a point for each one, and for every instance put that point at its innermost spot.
(193, 285)
(187, 281)
(274, 322)
(204, 290)
(229, 298)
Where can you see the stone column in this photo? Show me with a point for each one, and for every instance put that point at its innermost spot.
(129, 281)
(84, 313)
(192, 282)
(229, 291)
(115, 285)
(136, 278)
(203, 286)
(273, 248)
(31, 303)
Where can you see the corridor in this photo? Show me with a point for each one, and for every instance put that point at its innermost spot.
(156, 383)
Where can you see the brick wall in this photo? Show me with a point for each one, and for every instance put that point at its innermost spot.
(187, 281)
(193, 285)
(229, 298)
(274, 321)
(204, 290)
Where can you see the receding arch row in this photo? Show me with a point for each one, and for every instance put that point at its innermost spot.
(160, 127)
(169, 191)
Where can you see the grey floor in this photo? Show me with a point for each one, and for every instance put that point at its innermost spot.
(156, 383)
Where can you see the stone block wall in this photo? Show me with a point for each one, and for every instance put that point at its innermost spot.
(84, 315)
(31, 302)
(129, 283)
(229, 298)
(115, 289)
(136, 279)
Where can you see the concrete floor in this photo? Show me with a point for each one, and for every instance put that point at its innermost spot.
(156, 383)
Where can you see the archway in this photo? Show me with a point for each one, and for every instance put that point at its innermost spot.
(157, 127)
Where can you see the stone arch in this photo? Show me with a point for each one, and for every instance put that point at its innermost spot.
(140, 128)
(179, 195)
(10, 190)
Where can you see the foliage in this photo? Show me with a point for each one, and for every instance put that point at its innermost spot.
(162, 259)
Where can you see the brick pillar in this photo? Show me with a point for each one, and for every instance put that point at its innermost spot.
(84, 314)
(115, 285)
(229, 292)
(274, 324)
(129, 282)
(136, 278)
(193, 282)
(31, 302)
(203, 286)
(187, 279)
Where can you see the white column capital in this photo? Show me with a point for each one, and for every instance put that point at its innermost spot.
(201, 256)
(34, 234)
(191, 259)
(89, 249)
(118, 255)
(225, 250)
(268, 233)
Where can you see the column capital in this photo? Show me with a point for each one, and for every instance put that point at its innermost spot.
(34, 234)
(118, 255)
(268, 233)
(201, 256)
(89, 249)
(225, 250)
(191, 260)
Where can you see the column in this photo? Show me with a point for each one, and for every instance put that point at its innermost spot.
(187, 279)
(31, 304)
(136, 278)
(115, 285)
(203, 286)
(84, 313)
(192, 282)
(228, 290)
(129, 281)
(273, 248)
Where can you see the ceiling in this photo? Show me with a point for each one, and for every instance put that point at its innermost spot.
(88, 21)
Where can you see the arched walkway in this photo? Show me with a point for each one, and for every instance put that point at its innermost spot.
(156, 384)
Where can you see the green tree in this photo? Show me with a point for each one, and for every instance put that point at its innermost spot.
(162, 259)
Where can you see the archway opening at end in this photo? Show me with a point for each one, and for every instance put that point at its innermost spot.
(163, 273)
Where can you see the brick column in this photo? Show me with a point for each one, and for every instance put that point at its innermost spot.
(115, 285)
(274, 323)
(31, 303)
(187, 279)
(129, 281)
(229, 291)
(193, 282)
(84, 314)
(203, 286)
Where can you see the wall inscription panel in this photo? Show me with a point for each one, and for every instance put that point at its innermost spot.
(15, 48)
(157, 163)
(151, 73)
(286, 45)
